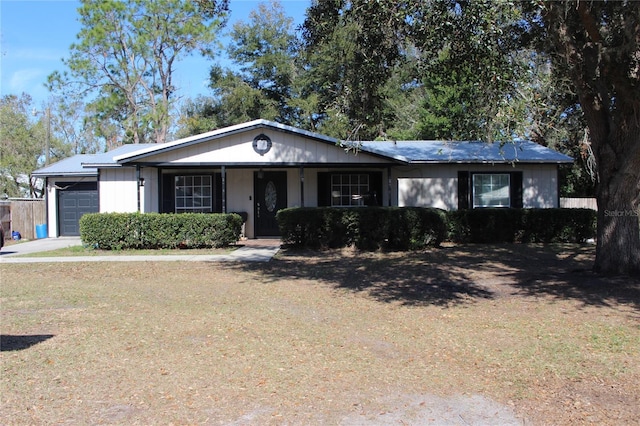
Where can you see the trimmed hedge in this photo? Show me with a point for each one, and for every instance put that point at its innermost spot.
(414, 228)
(367, 228)
(521, 225)
(120, 231)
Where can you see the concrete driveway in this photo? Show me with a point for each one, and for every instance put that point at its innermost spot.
(35, 246)
(249, 251)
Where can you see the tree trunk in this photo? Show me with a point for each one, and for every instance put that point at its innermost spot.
(605, 71)
(618, 235)
(618, 196)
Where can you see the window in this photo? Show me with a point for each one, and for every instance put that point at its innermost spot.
(193, 194)
(349, 190)
(491, 190)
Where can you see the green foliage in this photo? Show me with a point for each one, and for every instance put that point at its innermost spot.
(119, 231)
(521, 225)
(351, 49)
(370, 228)
(125, 58)
(264, 51)
(23, 146)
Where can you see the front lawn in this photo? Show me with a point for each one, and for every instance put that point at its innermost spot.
(462, 334)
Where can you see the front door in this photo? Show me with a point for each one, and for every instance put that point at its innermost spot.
(270, 196)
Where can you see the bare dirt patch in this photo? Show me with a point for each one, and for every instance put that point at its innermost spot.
(461, 335)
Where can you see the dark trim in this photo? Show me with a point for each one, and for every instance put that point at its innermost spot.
(167, 196)
(464, 191)
(389, 184)
(301, 186)
(375, 186)
(266, 165)
(223, 177)
(515, 188)
(138, 185)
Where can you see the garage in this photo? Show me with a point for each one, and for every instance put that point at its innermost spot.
(74, 200)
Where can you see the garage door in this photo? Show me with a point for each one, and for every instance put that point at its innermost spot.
(75, 200)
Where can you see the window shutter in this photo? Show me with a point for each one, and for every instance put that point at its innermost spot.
(464, 195)
(168, 193)
(375, 189)
(516, 190)
(217, 185)
(324, 189)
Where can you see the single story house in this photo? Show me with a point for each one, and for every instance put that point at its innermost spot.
(260, 167)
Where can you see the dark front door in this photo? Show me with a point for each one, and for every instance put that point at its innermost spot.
(74, 201)
(270, 196)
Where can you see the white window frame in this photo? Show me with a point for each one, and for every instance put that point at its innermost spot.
(488, 183)
(349, 189)
(194, 193)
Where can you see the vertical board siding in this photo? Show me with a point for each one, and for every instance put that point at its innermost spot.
(23, 216)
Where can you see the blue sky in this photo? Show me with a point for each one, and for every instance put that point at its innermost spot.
(36, 35)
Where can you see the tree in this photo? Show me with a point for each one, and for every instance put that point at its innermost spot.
(262, 83)
(596, 45)
(126, 56)
(472, 70)
(351, 50)
(23, 147)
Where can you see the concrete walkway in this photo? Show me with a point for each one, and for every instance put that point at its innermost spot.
(249, 251)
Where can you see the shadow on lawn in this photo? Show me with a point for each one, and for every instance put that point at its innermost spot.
(18, 343)
(460, 274)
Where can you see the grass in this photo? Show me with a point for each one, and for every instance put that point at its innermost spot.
(86, 251)
(323, 338)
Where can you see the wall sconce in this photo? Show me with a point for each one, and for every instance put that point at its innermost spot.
(141, 181)
(260, 174)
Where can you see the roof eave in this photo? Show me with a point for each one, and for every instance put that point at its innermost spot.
(217, 134)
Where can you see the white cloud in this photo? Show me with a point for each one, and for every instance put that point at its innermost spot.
(25, 79)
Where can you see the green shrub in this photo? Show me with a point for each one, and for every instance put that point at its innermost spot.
(119, 231)
(521, 225)
(367, 228)
(558, 225)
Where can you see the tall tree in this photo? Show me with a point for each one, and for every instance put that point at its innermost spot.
(596, 44)
(352, 48)
(471, 69)
(262, 83)
(126, 57)
(24, 146)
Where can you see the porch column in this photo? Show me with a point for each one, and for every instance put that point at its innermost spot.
(301, 186)
(223, 173)
(140, 183)
(389, 184)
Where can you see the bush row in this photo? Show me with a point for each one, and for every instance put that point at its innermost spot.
(119, 231)
(521, 225)
(370, 228)
(411, 228)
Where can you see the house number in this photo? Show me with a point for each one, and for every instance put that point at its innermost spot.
(270, 196)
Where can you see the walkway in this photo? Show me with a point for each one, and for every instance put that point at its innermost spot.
(260, 250)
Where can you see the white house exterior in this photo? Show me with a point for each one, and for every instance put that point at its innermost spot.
(260, 167)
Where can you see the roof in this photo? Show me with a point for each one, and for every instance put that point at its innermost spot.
(404, 152)
(219, 133)
(86, 164)
(418, 152)
(71, 166)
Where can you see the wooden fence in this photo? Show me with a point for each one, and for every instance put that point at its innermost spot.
(577, 203)
(22, 215)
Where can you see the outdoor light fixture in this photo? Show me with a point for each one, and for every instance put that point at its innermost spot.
(141, 181)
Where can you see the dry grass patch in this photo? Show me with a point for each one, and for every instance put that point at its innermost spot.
(491, 334)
